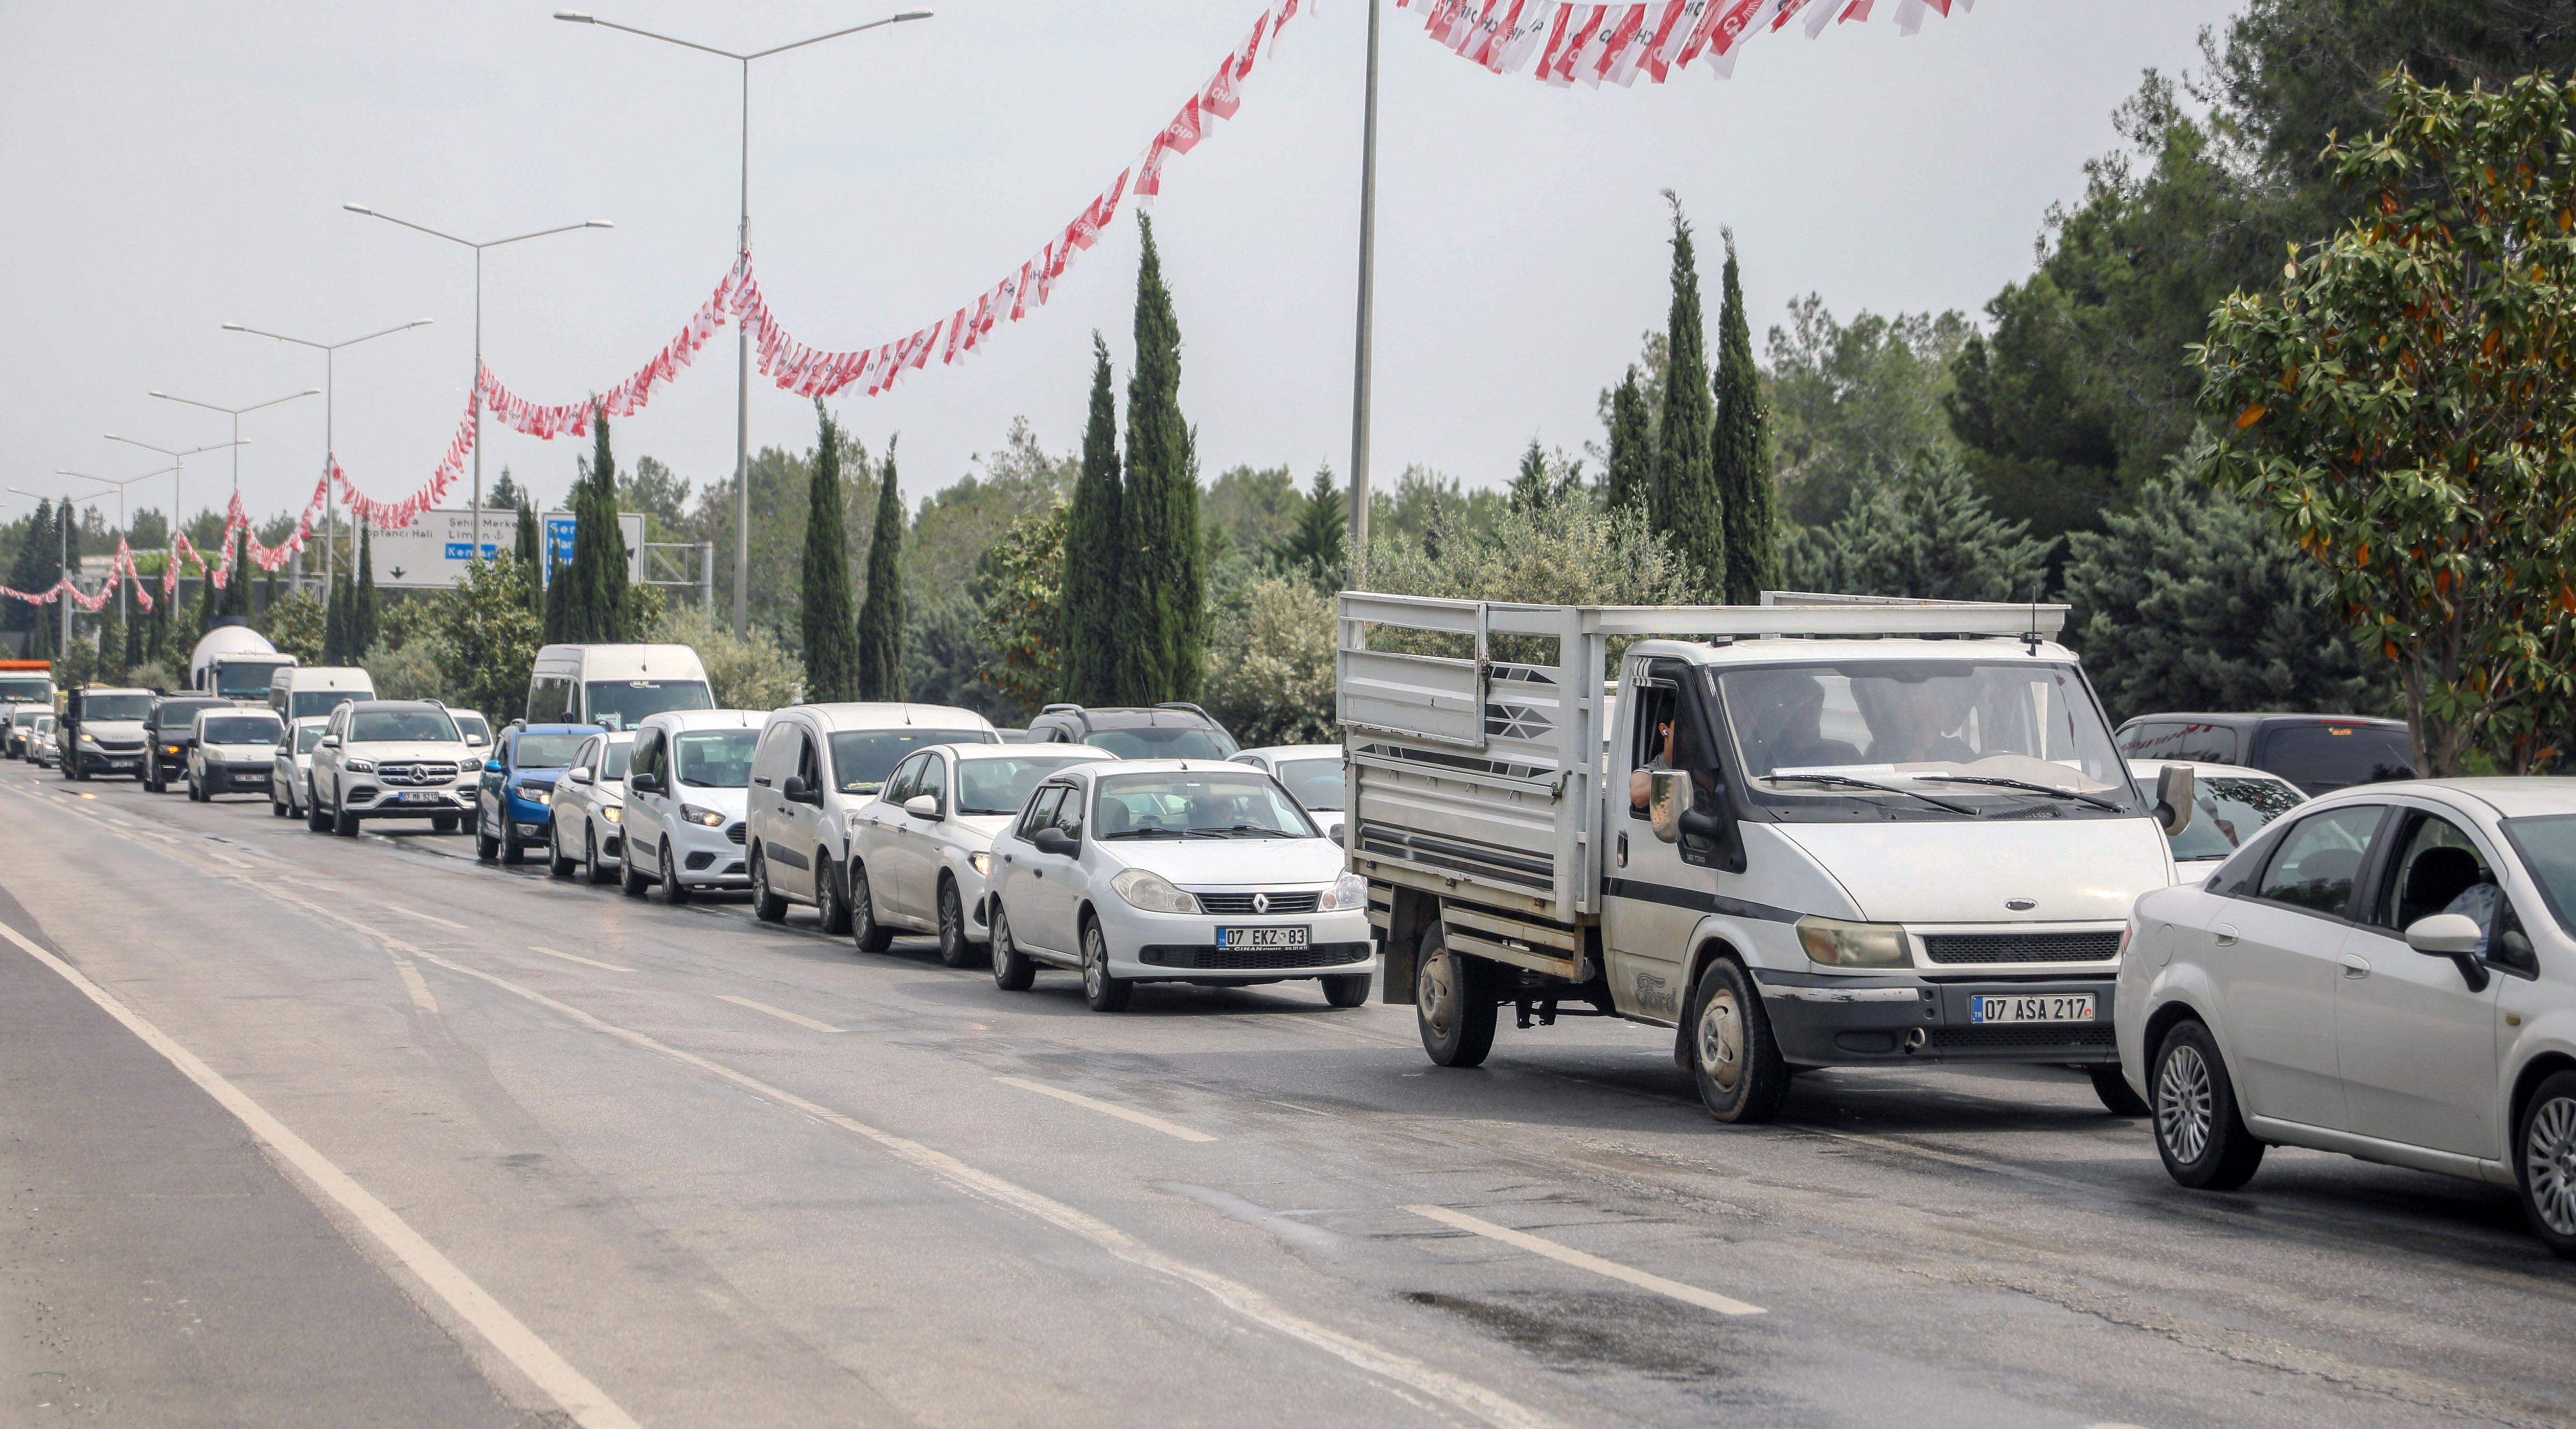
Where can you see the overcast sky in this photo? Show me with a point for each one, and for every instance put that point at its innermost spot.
(171, 167)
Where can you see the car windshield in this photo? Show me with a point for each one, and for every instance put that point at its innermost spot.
(614, 758)
(429, 726)
(715, 758)
(862, 758)
(1163, 742)
(472, 727)
(1941, 739)
(247, 679)
(174, 716)
(2319, 757)
(1316, 783)
(623, 704)
(26, 687)
(1217, 804)
(546, 751)
(307, 737)
(1001, 786)
(2548, 848)
(25, 716)
(2226, 811)
(242, 729)
(100, 708)
(313, 704)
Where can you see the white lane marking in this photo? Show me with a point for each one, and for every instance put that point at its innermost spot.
(780, 1013)
(1688, 1294)
(568, 1387)
(1168, 1128)
(424, 917)
(1234, 1295)
(575, 958)
(414, 984)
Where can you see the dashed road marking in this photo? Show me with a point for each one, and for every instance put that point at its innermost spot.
(780, 1013)
(577, 958)
(1688, 1294)
(1168, 1128)
(424, 917)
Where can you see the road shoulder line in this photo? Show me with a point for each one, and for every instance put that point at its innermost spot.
(1688, 1294)
(1168, 1128)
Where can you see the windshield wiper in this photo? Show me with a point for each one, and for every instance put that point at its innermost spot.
(2024, 784)
(1848, 781)
(1157, 833)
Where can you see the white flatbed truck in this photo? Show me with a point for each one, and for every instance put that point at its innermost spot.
(1820, 831)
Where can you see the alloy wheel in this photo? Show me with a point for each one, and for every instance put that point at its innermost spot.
(1721, 1040)
(2549, 1163)
(2185, 1104)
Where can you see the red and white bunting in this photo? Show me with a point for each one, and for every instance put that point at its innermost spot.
(1582, 41)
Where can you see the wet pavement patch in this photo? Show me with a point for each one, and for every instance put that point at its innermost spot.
(1580, 1333)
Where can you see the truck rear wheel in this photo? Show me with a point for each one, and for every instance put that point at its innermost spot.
(1734, 1060)
(1453, 1003)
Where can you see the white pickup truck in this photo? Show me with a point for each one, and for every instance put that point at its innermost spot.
(1820, 831)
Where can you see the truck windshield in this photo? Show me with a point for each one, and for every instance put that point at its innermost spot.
(1984, 739)
(101, 708)
(32, 689)
(247, 679)
(622, 704)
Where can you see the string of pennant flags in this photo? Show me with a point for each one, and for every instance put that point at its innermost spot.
(1591, 43)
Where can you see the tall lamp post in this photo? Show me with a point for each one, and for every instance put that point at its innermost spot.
(178, 469)
(475, 542)
(236, 414)
(1361, 358)
(62, 523)
(742, 335)
(330, 352)
(123, 602)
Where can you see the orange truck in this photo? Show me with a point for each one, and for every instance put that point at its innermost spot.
(25, 682)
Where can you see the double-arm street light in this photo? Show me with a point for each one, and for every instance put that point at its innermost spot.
(330, 351)
(742, 239)
(178, 469)
(236, 414)
(476, 540)
(121, 594)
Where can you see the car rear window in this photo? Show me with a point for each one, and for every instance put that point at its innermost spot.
(2327, 755)
(1163, 742)
(2167, 739)
(2228, 810)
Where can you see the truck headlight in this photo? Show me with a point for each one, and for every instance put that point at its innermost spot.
(1835, 943)
(1348, 891)
(983, 863)
(704, 817)
(1152, 892)
(88, 738)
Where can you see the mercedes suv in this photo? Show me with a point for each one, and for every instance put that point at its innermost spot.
(390, 759)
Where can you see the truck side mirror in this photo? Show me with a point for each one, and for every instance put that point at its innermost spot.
(1668, 794)
(2175, 787)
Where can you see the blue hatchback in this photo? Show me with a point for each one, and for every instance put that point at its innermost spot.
(515, 801)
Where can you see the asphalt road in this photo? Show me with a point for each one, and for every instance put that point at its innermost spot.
(305, 1130)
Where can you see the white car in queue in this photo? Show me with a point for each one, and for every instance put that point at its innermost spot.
(1313, 774)
(588, 809)
(2229, 805)
(290, 773)
(817, 766)
(2389, 972)
(232, 751)
(687, 776)
(921, 852)
(1175, 871)
(380, 759)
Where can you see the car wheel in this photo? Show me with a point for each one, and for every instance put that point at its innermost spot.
(344, 823)
(1453, 1003)
(1348, 990)
(486, 847)
(557, 866)
(512, 851)
(2547, 1162)
(674, 892)
(1103, 992)
(2199, 1132)
(871, 935)
(316, 820)
(631, 880)
(2118, 1097)
(1012, 969)
(442, 823)
(1734, 1059)
(766, 906)
(954, 950)
(593, 871)
(830, 906)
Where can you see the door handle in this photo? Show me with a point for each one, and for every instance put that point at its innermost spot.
(2355, 966)
(2226, 935)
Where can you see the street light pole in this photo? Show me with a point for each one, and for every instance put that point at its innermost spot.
(123, 603)
(330, 360)
(1360, 361)
(236, 414)
(475, 542)
(179, 474)
(742, 241)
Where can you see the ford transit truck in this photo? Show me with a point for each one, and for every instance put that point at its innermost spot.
(1820, 831)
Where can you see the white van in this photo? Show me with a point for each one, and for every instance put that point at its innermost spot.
(615, 686)
(313, 691)
(817, 764)
(686, 792)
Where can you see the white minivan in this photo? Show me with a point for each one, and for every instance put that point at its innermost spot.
(816, 766)
(685, 784)
(615, 686)
(313, 691)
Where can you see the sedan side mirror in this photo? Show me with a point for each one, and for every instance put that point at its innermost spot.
(2175, 788)
(579, 776)
(1055, 841)
(643, 784)
(2444, 935)
(922, 806)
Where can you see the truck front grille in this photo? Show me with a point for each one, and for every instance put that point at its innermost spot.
(2021, 947)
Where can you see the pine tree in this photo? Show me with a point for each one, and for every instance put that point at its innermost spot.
(1168, 573)
(831, 631)
(881, 617)
(1318, 546)
(1743, 451)
(1531, 489)
(363, 629)
(1632, 445)
(1687, 508)
(1097, 651)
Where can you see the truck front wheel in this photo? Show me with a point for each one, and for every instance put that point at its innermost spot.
(1453, 1003)
(1734, 1059)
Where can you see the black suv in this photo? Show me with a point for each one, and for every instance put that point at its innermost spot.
(1171, 731)
(168, 735)
(2319, 753)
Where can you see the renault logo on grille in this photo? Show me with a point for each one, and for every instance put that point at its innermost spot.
(1261, 903)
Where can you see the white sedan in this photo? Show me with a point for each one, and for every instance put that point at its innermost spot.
(1312, 774)
(921, 852)
(1172, 870)
(589, 809)
(2388, 972)
(2230, 804)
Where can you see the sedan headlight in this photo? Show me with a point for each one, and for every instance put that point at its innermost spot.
(697, 814)
(1835, 943)
(359, 766)
(983, 864)
(1152, 892)
(1348, 891)
(613, 814)
(536, 794)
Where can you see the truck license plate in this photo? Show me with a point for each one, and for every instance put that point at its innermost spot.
(1261, 937)
(2075, 1007)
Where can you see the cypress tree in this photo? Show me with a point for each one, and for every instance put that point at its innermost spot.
(1168, 570)
(881, 617)
(362, 610)
(237, 581)
(1632, 445)
(831, 632)
(1097, 655)
(555, 606)
(595, 607)
(1743, 450)
(1687, 508)
(531, 549)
